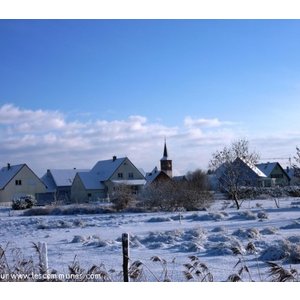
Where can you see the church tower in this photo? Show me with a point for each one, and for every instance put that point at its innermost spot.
(165, 162)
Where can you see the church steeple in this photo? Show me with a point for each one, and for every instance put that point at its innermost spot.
(165, 162)
(165, 155)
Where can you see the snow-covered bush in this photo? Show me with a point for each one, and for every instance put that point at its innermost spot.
(252, 233)
(245, 215)
(23, 202)
(160, 219)
(282, 249)
(78, 239)
(268, 230)
(76, 209)
(267, 192)
(262, 215)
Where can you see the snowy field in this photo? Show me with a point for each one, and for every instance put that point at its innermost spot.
(218, 237)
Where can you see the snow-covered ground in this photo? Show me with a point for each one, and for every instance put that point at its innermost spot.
(209, 236)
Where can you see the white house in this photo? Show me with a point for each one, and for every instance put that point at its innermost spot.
(17, 181)
(275, 172)
(59, 182)
(100, 182)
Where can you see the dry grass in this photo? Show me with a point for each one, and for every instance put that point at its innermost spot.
(280, 274)
(15, 268)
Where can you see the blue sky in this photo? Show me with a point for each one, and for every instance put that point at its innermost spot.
(77, 91)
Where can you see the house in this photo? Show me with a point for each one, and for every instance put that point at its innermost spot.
(274, 171)
(294, 177)
(239, 172)
(17, 181)
(156, 176)
(101, 181)
(59, 182)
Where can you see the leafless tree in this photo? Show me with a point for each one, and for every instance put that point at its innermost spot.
(190, 193)
(228, 165)
(196, 189)
(123, 196)
(296, 167)
(160, 195)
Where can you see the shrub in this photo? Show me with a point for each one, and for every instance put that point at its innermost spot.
(123, 197)
(23, 202)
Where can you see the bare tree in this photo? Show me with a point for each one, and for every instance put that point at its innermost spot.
(229, 167)
(160, 195)
(196, 190)
(123, 196)
(295, 166)
(198, 179)
(173, 195)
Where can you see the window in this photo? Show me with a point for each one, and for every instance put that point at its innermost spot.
(89, 195)
(130, 175)
(18, 182)
(120, 175)
(276, 175)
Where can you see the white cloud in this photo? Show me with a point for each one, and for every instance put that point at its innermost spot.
(45, 139)
(28, 121)
(10, 114)
(190, 122)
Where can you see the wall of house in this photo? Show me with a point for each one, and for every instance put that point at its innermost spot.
(127, 171)
(78, 191)
(80, 194)
(25, 182)
(280, 177)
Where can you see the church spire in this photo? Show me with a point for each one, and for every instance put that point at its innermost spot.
(165, 154)
(165, 162)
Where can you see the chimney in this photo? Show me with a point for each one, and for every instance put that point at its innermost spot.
(114, 158)
(8, 166)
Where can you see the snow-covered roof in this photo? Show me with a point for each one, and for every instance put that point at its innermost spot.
(130, 181)
(142, 171)
(65, 177)
(103, 171)
(49, 182)
(8, 173)
(268, 167)
(290, 172)
(106, 168)
(91, 180)
(60, 177)
(293, 174)
(150, 176)
(253, 167)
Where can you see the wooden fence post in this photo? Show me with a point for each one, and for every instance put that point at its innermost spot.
(43, 256)
(125, 247)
